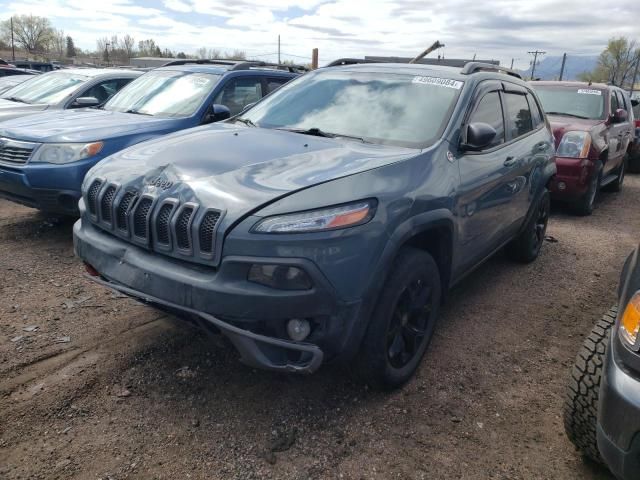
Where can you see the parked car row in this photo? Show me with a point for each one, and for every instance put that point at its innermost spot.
(326, 216)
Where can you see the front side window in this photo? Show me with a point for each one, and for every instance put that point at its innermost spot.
(614, 102)
(240, 92)
(518, 115)
(46, 89)
(164, 93)
(103, 91)
(275, 83)
(579, 102)
(387, 108)
(489, 111)
(536, 114)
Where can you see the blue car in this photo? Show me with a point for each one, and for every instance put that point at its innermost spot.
(44, 157)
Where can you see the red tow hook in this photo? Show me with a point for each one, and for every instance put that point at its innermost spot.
(90, 270)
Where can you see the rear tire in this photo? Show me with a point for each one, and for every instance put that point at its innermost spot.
(402, 323)
(581, 404)
(617, 185)
(634, 163)
(525, 248)
(585, 205)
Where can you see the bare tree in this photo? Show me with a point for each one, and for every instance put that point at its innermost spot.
(59, 44)
(236, 55)
(616, 63)
(129, 46)
(30, 32)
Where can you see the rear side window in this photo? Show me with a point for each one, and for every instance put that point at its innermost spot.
(275, 83)
(536, 114)
(518, 115)
(489, 111)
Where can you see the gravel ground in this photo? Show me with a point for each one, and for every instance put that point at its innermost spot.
(93, 385)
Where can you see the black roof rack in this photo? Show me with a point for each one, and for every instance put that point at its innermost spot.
(475, 67)
(349, 61)
(239, 64)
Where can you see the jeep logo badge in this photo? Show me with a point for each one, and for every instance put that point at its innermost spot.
(159, 182)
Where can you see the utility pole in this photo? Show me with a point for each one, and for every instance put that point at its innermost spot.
(106, 52)
(635, 75)
(13, 48)
(564, 61)
(279, 50)
(512, 63)
(535, 60)
(314, 59)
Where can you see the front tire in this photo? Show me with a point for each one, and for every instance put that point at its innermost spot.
(403, 321)
(617, 185)
(585, 205)
(525, 248)
(581, 404)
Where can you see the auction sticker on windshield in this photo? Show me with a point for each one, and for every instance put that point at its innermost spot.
(589, 91)
(442, 82)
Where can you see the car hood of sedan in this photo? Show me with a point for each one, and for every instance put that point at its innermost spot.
(82, 125)
(238, 169)
(10, 109)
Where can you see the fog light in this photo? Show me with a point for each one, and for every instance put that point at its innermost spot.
(298, 329)
(280, 276)
(630, 323)
(562, 186)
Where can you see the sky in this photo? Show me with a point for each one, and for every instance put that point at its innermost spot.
(490, 29)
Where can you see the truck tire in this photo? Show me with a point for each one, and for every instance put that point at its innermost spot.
(584, 206)
(402, 323)
(525, 248)
(634, 163)
(581, 403)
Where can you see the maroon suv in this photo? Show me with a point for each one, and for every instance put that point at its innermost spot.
(593, 127)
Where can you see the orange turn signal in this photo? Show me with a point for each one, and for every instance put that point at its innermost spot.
(630, 324)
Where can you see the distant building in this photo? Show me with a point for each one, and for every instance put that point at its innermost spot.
(447, 62)
(150, 61)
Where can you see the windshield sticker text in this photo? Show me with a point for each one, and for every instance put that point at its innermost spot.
(442, 82)
(589, 91)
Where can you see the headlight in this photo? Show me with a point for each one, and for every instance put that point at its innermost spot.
(574, 145)
(331, 218)
(60, 153)
(630, 323)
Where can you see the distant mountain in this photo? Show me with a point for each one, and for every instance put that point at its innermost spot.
(549, 67)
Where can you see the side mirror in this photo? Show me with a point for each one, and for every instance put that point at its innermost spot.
(217, 113)
(620, 116)
(635, 102)
(479, 135)
(86, 102)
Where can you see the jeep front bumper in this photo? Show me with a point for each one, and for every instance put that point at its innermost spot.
(252, 316)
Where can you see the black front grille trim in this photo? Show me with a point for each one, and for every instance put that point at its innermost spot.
(106, 202)
(139, 219)
(92, 197)
(122, 210)
(182, 225)
(161, 224)
(206, 232)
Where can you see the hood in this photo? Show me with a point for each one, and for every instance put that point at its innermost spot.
(238, 169)
(9, 109)
(81, 125)
(561, 124)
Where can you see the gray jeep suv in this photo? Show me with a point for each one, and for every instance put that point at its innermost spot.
(327, 221)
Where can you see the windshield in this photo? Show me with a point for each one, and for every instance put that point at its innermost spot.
(164, 94)
(580, 102)
(395, 109)
(46, 89)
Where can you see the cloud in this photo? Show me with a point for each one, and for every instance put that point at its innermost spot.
(494, 29)
(177, 6)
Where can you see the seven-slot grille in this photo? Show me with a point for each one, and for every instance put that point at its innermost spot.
(15, 153)
(174, 229)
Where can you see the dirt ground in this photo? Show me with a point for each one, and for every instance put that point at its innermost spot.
(93, 385)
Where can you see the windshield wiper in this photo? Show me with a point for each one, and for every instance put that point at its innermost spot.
(568, 115)
(316, 132)
(16, 99)
(246, 121)
(138, 112)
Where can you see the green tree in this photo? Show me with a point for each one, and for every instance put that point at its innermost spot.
(616, 63)
(32, 33)
(71, 48)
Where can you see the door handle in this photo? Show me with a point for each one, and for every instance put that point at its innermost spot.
(510, 161)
